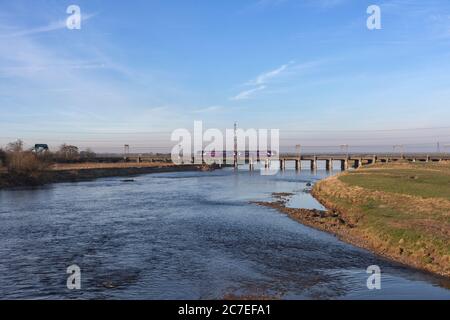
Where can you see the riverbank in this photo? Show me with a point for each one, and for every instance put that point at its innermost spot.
(400, 211)
(89, 171)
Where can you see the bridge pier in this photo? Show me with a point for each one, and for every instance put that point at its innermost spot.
(344, 165)
(282, 164)
(374, 159)
(314, 164)
(329, 164)
(358, 163)
(251, 164)
(298, 164)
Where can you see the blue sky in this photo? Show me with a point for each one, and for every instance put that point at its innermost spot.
(139, 69)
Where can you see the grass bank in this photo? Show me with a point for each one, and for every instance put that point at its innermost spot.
(401, 211)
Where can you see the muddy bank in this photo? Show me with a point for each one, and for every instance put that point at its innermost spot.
(329, 221)
(8, 180)
(345, 225)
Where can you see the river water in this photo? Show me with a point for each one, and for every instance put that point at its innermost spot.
(185, 235)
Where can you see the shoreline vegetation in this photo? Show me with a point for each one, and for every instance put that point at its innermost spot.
(89, 171)
(400, 211)
(38, 166)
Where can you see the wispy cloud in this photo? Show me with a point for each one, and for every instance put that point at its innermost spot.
(36, 75)
(34, 68)
(247, 93)
(263, 78)
(260, 82)
(267, 79)
(52, 26)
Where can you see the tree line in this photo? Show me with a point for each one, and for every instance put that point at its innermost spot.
(17, 159)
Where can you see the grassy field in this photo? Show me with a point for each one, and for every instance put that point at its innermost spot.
(422, 180)
(398, 210)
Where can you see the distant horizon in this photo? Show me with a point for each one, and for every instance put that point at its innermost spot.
(426, 140)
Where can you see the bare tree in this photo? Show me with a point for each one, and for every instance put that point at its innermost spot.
(16, 146)
(68, 152)
(88, 154)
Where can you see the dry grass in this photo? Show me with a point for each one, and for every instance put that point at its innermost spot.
(25, 162)
(22, 168)
(93, 165)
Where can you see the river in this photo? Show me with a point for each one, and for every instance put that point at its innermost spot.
(185, 235)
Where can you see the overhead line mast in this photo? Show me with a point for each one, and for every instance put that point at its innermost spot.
(235, 145)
